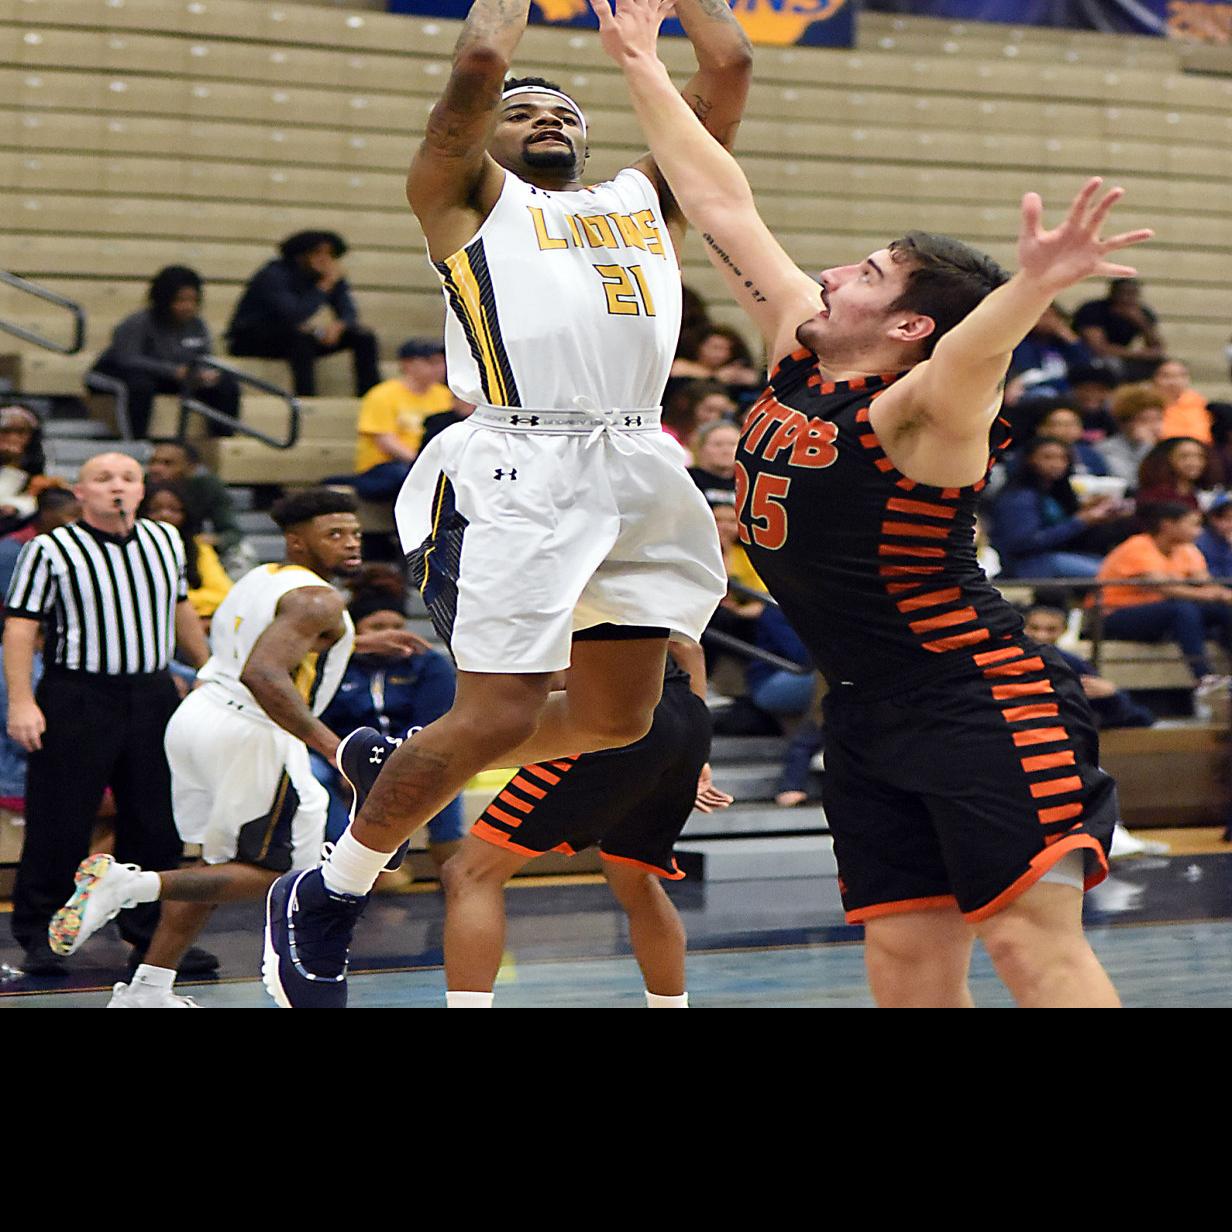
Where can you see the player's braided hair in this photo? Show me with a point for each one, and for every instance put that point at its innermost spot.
(947, 280)
(300, 507)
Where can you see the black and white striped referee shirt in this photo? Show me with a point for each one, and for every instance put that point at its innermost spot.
(107, 601)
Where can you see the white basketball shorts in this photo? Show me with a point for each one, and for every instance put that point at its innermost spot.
(242, 787)
(520, 534)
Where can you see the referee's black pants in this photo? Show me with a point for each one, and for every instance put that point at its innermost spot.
(102, 731)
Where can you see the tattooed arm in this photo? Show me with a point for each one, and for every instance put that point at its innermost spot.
(718, 90)
(453, 183)
(707, 181)
(307, 621)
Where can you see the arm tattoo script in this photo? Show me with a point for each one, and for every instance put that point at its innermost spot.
(719, 251)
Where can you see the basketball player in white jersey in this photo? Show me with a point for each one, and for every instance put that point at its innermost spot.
(556, 527)
(238, 747)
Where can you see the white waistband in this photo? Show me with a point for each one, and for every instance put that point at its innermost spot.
(579, 422)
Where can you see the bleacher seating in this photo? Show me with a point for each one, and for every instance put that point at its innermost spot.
(141, 132)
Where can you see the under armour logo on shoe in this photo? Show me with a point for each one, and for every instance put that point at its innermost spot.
(633, 421)
(513, 474)
(533, 420)
(377, 756)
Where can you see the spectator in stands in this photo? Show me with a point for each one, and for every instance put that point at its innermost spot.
(737, 614)
(1042, 361)
(1090, 392)
(1038, 526)
(1139, 413)
(156, 351)
(1120, 329)
(208, 583)
(206, 498)
(1174, 471)
(694, 404)
(794, 782)
(718, 353)
(21, 459)
(434, 425)
(1186, 412)
(54, 507)
(1113, 707)
(299, 307)
(1185, 606)
(391, 419)
(1215, 542)
(394, 689)
(714, 461)
(777, 690)
(1063, 423)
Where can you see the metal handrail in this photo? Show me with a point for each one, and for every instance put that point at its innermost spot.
(28, 335)
(190, 405)
(746, 650)
(101, 383)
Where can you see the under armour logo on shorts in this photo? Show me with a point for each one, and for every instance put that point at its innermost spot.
(633, 421)
(533, 420)
(513, 474)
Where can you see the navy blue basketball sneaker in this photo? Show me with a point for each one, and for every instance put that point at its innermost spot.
(308, 931)
(360, 758)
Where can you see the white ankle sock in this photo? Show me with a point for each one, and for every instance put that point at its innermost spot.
(468, 1000)
(353, 868)
(147, 889)
(656, 1002)
(154, 977)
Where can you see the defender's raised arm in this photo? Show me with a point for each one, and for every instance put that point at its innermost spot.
(706, 182)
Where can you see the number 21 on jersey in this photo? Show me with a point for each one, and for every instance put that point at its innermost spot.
(624, 298)
(767, 517)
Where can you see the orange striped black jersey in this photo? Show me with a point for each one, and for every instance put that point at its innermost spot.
(877, 573)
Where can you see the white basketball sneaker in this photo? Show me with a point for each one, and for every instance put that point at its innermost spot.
(102, 890)
(146, 997)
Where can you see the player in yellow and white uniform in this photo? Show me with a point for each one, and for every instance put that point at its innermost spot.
(556, 527)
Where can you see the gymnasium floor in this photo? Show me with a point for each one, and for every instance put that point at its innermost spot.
(1162, 926)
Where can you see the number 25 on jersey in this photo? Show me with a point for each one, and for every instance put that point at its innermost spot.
(767, 517)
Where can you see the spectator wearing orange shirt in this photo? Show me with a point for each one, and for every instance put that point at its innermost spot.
(1185, 409)
(1185, 606)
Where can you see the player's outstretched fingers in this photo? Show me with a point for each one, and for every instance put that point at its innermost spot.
(1078, 211)
(1100, 213)
(1032, 215)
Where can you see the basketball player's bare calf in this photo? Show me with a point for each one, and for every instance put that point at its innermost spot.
(512, 720)
(188, 899)
(474, 883)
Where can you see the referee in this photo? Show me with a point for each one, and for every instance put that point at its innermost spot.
(109, 593)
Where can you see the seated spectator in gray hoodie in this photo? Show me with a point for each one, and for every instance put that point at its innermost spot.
(1139, 414)
(155, 351)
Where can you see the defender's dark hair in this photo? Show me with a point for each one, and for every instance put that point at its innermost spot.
(301, 507)
(1154, 515)
(948, 279)
(167, 284)
(305, 241)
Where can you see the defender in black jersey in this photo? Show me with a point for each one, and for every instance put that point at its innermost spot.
(632, 802)
(963, 787)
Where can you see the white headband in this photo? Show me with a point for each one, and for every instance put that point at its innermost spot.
(564, 98)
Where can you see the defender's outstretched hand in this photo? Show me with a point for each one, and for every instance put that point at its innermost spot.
(634, 29)
(1073, 251)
